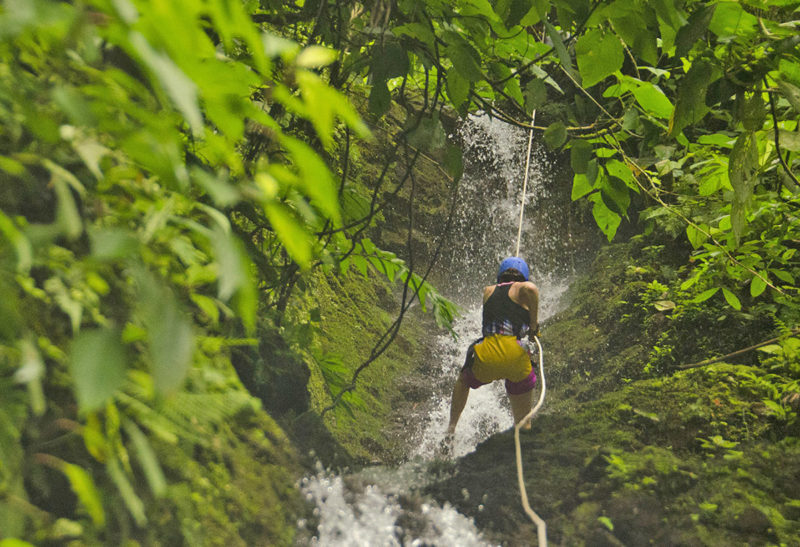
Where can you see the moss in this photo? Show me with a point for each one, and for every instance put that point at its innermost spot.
(630, 450)
(239, 489)
(356, 312)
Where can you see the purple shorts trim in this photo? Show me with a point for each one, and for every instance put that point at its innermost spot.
(512, 388)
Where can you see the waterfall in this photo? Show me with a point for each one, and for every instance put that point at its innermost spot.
(377, 511)
(485, 233)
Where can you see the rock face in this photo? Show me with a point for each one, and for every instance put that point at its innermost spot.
(625, 455)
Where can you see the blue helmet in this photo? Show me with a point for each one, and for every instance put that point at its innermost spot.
(514, 262)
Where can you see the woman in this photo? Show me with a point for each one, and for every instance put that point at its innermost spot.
(510, 312)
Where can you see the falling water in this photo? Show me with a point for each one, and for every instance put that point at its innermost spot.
(377, 512)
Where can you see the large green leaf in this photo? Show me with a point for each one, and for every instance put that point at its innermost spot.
(580, 186)
(607, 220)
(653, 100)
(599, 55)
(730, 20)
(98, 363)
(690, 106)
(464, 57)
(457, 88)
(693, 30)
(555, 135)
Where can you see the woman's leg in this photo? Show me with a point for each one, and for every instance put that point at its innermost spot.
(521, 404)
(457, 403)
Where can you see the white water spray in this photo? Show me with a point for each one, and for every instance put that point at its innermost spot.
(484, 232)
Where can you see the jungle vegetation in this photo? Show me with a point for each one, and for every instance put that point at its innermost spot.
(177, 175)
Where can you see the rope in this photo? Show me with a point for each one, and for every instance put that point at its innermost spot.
(525, 181)
(541, 526)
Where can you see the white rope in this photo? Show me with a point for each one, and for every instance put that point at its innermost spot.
(525, 181)
(541, 526)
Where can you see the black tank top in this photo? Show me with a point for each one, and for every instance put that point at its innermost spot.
(501, 315)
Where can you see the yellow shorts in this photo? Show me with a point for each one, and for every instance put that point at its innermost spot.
(499, 357)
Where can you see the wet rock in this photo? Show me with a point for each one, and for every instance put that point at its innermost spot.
(752, 521)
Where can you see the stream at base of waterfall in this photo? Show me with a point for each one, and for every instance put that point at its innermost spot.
(379, 505)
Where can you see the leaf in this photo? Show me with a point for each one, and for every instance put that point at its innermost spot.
(731, 299)
(607, 220)
(752, 112)
(428, 135)
(457, 88)
(605, 521)
(742, 168)
(730, 20)
(517, 10)
(454, 162)
(580, 186)
(791, 92)
(132, 501)
(653, 100)
(82, 484)
(180, 88)
(599, 56)
(694, 29)
(579, 155)
(169, 333)
(316, 179)
(112, 243)
(705, 295)
(22, 246)
(561, 49)
(389, 61)
(67, 216)
(147, 459)
(30, 373)
(291, 233)
(617, 169)
(465, 59)
(695, 236)
(690, 106)
(315, 57)
(98, 363)
(757, 286)
(664, 305)
(555, 135)
(379, 98)
(789, 140)
(535, 94)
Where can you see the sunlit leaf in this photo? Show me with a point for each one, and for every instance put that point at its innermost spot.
(705, 295)
(316, 179)
(607, 220)
(291, 233)
(695, 236)
(599, 56)
(315, 57)
(653, 100)
(83, 486)
(757, 286)
(731, 299)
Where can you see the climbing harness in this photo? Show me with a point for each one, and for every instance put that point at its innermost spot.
(541, 526)
(525, 181)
